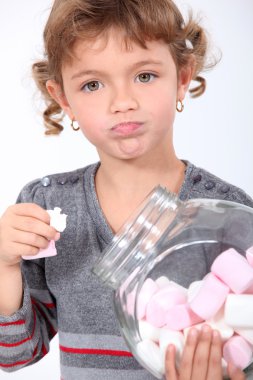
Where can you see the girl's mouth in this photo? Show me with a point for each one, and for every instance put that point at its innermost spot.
(126, 128)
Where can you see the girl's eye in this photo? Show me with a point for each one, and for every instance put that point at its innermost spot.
(145, 77)
(92, 86)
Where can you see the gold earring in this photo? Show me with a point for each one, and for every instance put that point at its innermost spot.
(75, 128)
(179, 106)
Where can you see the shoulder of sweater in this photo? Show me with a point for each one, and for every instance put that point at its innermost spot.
(207, 185)
(53, 182)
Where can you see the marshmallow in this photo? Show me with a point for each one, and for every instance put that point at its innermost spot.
(237, 351)
(181, 316)
(247, 334)
(149, 352)
(46, 252)
(148, 289)
(233, 269)
(239, 311)
(162, 281)
(57, 220)
(218, 323)
(167, 337)
(161, 302)
(148, 331)
(193, 290)
(210, 297)
(249, 256)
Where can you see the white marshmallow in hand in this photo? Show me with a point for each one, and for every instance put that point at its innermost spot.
(58, 221)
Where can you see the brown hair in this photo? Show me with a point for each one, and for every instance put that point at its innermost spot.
(141, 20)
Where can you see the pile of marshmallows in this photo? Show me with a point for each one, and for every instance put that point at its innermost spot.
(58, 221)
(223, 299)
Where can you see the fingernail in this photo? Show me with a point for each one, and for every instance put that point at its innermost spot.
(216, 334)
(193, 332)
(206, 328)
(57, 236)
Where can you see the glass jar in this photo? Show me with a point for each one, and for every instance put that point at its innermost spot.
(166, 264)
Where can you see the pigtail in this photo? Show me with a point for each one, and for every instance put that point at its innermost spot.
(196, 37)
(196, 46)
(53, 114)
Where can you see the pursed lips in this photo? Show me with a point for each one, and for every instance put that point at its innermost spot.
(126, 127)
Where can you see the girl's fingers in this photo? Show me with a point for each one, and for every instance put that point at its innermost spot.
(35, 226)
(170, 363)
(20, 250)
(186, 362)
(235, 373)
(202, 353)
(30, 209)
(215, 365)
(28, 238)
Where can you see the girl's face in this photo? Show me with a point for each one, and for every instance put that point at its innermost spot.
(124, 100)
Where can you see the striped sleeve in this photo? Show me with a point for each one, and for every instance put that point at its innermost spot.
(25, 336)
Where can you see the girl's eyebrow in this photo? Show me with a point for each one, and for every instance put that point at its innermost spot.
(98, 72)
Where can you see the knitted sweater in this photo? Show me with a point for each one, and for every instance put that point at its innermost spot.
(62, 295)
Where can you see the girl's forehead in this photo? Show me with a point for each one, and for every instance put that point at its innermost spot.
(115, 43)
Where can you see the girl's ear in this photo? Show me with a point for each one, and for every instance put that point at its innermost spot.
(56, 92)
(184, 79)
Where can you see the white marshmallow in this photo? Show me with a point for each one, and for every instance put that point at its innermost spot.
(148, 331)
(218, 323)
(150, 355)
(193, 290)
(239, 311)
(57, 220)
(162, 281)
(167, 337)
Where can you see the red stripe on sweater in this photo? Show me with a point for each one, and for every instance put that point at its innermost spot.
(95, 351)
(4, 365)
(44, 350)
(24, 340)
(20, 322)
(52, 330)
(49, 305)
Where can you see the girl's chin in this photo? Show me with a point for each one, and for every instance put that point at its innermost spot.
(130, 147)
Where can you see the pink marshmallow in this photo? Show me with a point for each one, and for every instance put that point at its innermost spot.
(161, 302)
(237, 351)
(210, 297)
(234, 270)
(249, 256)
(46, 252)
(148, 289)
(247, 334)
(181, 316)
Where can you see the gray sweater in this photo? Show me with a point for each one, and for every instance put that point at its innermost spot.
(62, 295)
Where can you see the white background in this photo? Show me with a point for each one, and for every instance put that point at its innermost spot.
(214, 131)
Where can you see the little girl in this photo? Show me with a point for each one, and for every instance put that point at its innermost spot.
(119, 69)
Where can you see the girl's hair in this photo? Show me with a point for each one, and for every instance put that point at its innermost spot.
(141, 20)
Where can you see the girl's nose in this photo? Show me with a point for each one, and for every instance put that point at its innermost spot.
(123, 100)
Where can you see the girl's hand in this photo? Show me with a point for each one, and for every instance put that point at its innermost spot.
(24, 230)
(201, 358)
